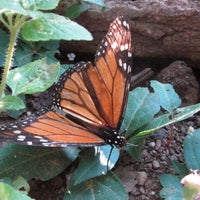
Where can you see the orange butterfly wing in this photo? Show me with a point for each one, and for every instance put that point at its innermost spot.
(98, 94)
(48, 128)
(89, 101)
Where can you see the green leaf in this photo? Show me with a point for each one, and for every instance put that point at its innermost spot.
(137, 111)
(192, 150)
(103, 187)
(19, 183)
(169, 99)
(7, 192)
(75, 10)
(97, 2)
(44, 4)
(135, 146)
(54, 27)
(32, 77)
(11, 103)
(180, 168)
(161, 121)
(94, 162)
(30, 51)
(34, 162)
(172, 188)
(13, 6)
(28, 7)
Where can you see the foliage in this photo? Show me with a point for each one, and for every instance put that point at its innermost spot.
(146, 112)
(192, 162)
(28, 18)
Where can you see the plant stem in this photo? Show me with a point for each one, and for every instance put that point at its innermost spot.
(10, 52)
(14, 29)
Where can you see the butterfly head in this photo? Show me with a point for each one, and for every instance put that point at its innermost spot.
(116, 139)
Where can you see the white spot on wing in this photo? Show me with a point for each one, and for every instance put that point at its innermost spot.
(114, 45)
(17, 132)
(120, 62)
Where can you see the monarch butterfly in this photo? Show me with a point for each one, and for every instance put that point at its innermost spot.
(89, 101)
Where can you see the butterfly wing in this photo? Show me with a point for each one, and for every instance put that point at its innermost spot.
(48, 128)
(89, 100)
(97, 95)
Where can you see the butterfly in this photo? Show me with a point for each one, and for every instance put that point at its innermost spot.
(88, 102)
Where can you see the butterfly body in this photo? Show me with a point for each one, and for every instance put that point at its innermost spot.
(89, 101)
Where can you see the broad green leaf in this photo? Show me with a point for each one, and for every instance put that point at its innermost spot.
(11, 103)
(161, 121)
(32, 77)
(192, 150)
(7, 192)
(137, 112)
(34, 162)
(54, 27)
(104, 187)
(75, 10)
(13, 6)
(94, 162)
(169, 99)
(27, 7)
(172, 188)
(97, 2)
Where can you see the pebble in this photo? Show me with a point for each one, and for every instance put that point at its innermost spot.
(152, 144)
(158, 144)
(141, 177)
(144, 153)
(156, 164)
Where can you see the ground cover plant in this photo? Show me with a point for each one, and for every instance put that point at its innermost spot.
(147, 111)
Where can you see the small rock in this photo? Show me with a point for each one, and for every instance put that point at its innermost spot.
(190, 129)
(173, 157)
(163, 157)
(156, 164)
(158, 144)
(152, 144)
(184, 81)
(128, 177)
(141, 177)
(144, 153)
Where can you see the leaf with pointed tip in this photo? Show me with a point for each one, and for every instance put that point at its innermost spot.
(31, 162)
(94, 162)
(103, 187)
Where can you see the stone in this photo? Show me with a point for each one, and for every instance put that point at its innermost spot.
(161, 29)
(184, 81)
